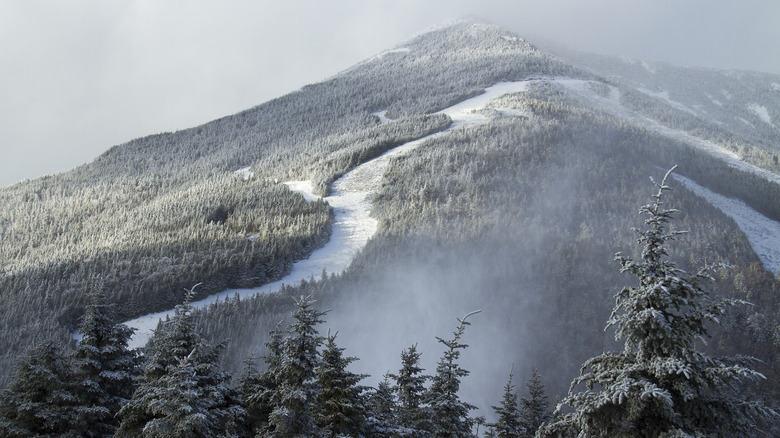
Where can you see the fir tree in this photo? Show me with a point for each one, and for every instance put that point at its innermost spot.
(410, 387)
(294, 400)
(104, 370)
(534, 410)
(342, 406)
(257, 388)
(508, 423)
(449, 415)
(660, 384)
(40, 400)
(382, 404)
(182, 392)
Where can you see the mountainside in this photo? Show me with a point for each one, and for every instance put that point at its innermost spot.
(517, 212)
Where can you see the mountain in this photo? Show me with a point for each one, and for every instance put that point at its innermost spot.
(517, 209)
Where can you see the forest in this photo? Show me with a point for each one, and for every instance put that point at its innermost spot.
(519, 217)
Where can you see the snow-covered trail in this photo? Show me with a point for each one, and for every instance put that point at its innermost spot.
(352, 226)
(762, 233)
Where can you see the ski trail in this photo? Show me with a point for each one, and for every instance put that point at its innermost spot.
(762, 233)
(352, 225)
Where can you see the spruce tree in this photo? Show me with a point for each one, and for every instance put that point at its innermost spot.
(256, 388)
(295, 399)
(182, 392)
(104, 370)
(508, 423)
(342, 406)
(383, 407)
(410, 388)
(660, 385)
(40, 400)
(534, 410)
(448, 413)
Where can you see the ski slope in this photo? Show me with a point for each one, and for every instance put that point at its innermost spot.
(353, 225)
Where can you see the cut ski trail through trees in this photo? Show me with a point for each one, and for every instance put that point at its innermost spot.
(352, 225)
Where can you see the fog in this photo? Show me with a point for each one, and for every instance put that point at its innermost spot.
(81, 76)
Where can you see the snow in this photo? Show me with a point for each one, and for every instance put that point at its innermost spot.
(762, 233)
(352, 226)
(761, 112)
(664, 95)
(398, 50)
(775, 86)
(245, 172)
(382, 117)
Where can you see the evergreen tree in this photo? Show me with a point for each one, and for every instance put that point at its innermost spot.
(660, 384)
(449, 415)
(257, 388)
(342, 405)
(508, 423)
(534, 410)
(410, 387)
(40, 400)
(104, 370)
(294, 400)
(383, 421)
(182, 392)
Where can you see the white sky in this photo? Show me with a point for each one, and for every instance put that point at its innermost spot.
(79, 76)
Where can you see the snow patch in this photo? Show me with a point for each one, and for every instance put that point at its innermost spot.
(715, 101)
(726, 94)
(762, 233)
(746, 122)
(398, 50)
(245, 172)
(648, 67)
(775, 86)
(382, 117)
(664, 95)
(761, 112)
(305, 188)
(511, 39)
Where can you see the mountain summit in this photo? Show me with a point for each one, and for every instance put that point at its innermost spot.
(513, 201)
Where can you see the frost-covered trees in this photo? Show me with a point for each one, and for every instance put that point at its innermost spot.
(103, 372)
(342, 409)
(295, 397)
(40, 399)
(534, 410)
(508, 424)
(448, 413)
(182, 392)
(660, 384)
(410, 390)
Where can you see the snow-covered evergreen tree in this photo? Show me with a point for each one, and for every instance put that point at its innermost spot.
(383, 421)
(410, 387)
(182, 392)
(256, 388)
(660, 385)
(535, 409)
(508, 423)
(294, 400)
(448, 413)
(40, 400)
(342, 405)
(104, 370)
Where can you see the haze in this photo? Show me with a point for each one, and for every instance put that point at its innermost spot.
(78, 77)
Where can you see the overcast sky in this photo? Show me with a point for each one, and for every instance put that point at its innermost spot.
(79, 76)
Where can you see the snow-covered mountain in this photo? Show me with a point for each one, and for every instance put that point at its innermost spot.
(512, 175)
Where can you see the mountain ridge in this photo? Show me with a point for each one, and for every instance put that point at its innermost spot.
(520, 216)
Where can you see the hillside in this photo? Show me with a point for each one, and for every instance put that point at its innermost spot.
(519, 215)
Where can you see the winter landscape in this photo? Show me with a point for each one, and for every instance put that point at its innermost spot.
(427, 244)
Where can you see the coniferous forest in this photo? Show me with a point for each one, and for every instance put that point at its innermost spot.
(479, 306)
